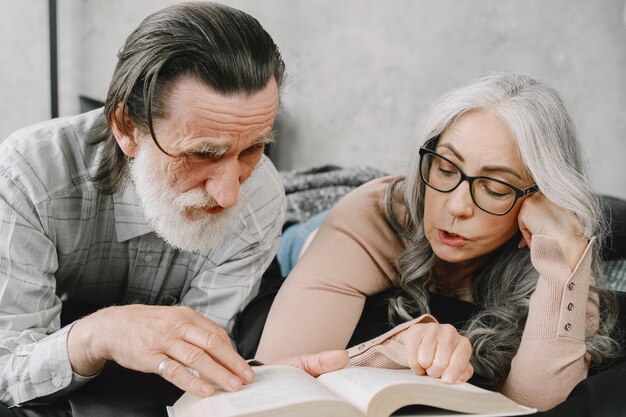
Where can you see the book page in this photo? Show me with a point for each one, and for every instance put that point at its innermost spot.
(360, 385)
(357, 385)
(274, 386)
(373, 380)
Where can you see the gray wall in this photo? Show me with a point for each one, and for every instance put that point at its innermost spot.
(361, 73)
(24, 62)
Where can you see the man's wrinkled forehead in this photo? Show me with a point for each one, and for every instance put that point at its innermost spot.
(188, 90)
(201, 118)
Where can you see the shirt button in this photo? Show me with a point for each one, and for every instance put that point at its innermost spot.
(571, 285)
(148, 258)
(56, 380)
(570, 306)
(568, 327)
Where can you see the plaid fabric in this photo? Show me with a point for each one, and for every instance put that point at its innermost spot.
(64, 240)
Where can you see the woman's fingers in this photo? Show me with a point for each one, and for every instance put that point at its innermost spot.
(317, 363)
(445, 340)
(428, 346)
(459, 368)
(439, 351)
(412, 339)
(469, 372)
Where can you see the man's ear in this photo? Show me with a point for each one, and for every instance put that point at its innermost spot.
(124, 131)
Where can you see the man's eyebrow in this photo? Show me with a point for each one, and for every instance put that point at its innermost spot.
(487, 168)
(219, 150)
(267, 139)
(211, 149)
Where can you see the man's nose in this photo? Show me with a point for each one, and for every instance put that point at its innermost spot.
(224, 188)
(459, 202)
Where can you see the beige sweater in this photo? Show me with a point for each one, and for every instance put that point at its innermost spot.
(354, 256)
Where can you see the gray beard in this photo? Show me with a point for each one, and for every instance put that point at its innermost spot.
(163, 207)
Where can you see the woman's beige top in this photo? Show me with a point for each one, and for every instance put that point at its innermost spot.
(354, 256)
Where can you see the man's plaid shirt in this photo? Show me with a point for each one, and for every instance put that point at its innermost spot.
(61, 239)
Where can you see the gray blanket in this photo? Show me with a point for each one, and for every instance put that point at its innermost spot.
(311, 191)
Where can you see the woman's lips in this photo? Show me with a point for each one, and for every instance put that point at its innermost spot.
(452, 239)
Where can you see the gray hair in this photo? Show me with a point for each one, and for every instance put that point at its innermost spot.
(551, 153)
(225, 48)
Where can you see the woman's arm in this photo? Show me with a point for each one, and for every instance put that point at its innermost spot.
(551, 358)
(351, 257)
(317, 309)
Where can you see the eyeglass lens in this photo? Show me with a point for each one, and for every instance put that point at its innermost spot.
(489, 195)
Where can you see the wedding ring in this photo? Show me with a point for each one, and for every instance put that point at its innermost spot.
(162, 366)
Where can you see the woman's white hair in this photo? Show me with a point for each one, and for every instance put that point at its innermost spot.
(551, 153)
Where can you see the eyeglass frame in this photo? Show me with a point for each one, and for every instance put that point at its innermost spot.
(519, 192)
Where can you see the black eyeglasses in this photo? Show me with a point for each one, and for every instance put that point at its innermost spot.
(491, 195)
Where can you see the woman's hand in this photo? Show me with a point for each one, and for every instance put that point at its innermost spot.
(316, 364)
(437, 350)
(540, 216)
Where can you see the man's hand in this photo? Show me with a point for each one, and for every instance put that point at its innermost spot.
(140, 337)
(437, 350)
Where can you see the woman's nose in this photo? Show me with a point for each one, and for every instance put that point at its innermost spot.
(460, 202)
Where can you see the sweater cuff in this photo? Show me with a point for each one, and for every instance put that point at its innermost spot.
(558, 306)
(382, 351)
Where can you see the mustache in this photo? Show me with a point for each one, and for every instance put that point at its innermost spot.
(195, 198)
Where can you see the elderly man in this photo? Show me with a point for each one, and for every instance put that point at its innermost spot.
(160, 210)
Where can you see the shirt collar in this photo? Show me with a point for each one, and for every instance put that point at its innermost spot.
(130, 221)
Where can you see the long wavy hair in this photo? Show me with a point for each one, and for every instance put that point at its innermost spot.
(224, 48)
(550, 151)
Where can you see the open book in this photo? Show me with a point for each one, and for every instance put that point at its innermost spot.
(350, 392)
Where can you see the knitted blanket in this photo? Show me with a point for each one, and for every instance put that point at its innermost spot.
(311, 191)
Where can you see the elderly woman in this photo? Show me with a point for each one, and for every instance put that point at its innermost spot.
(496, 220)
